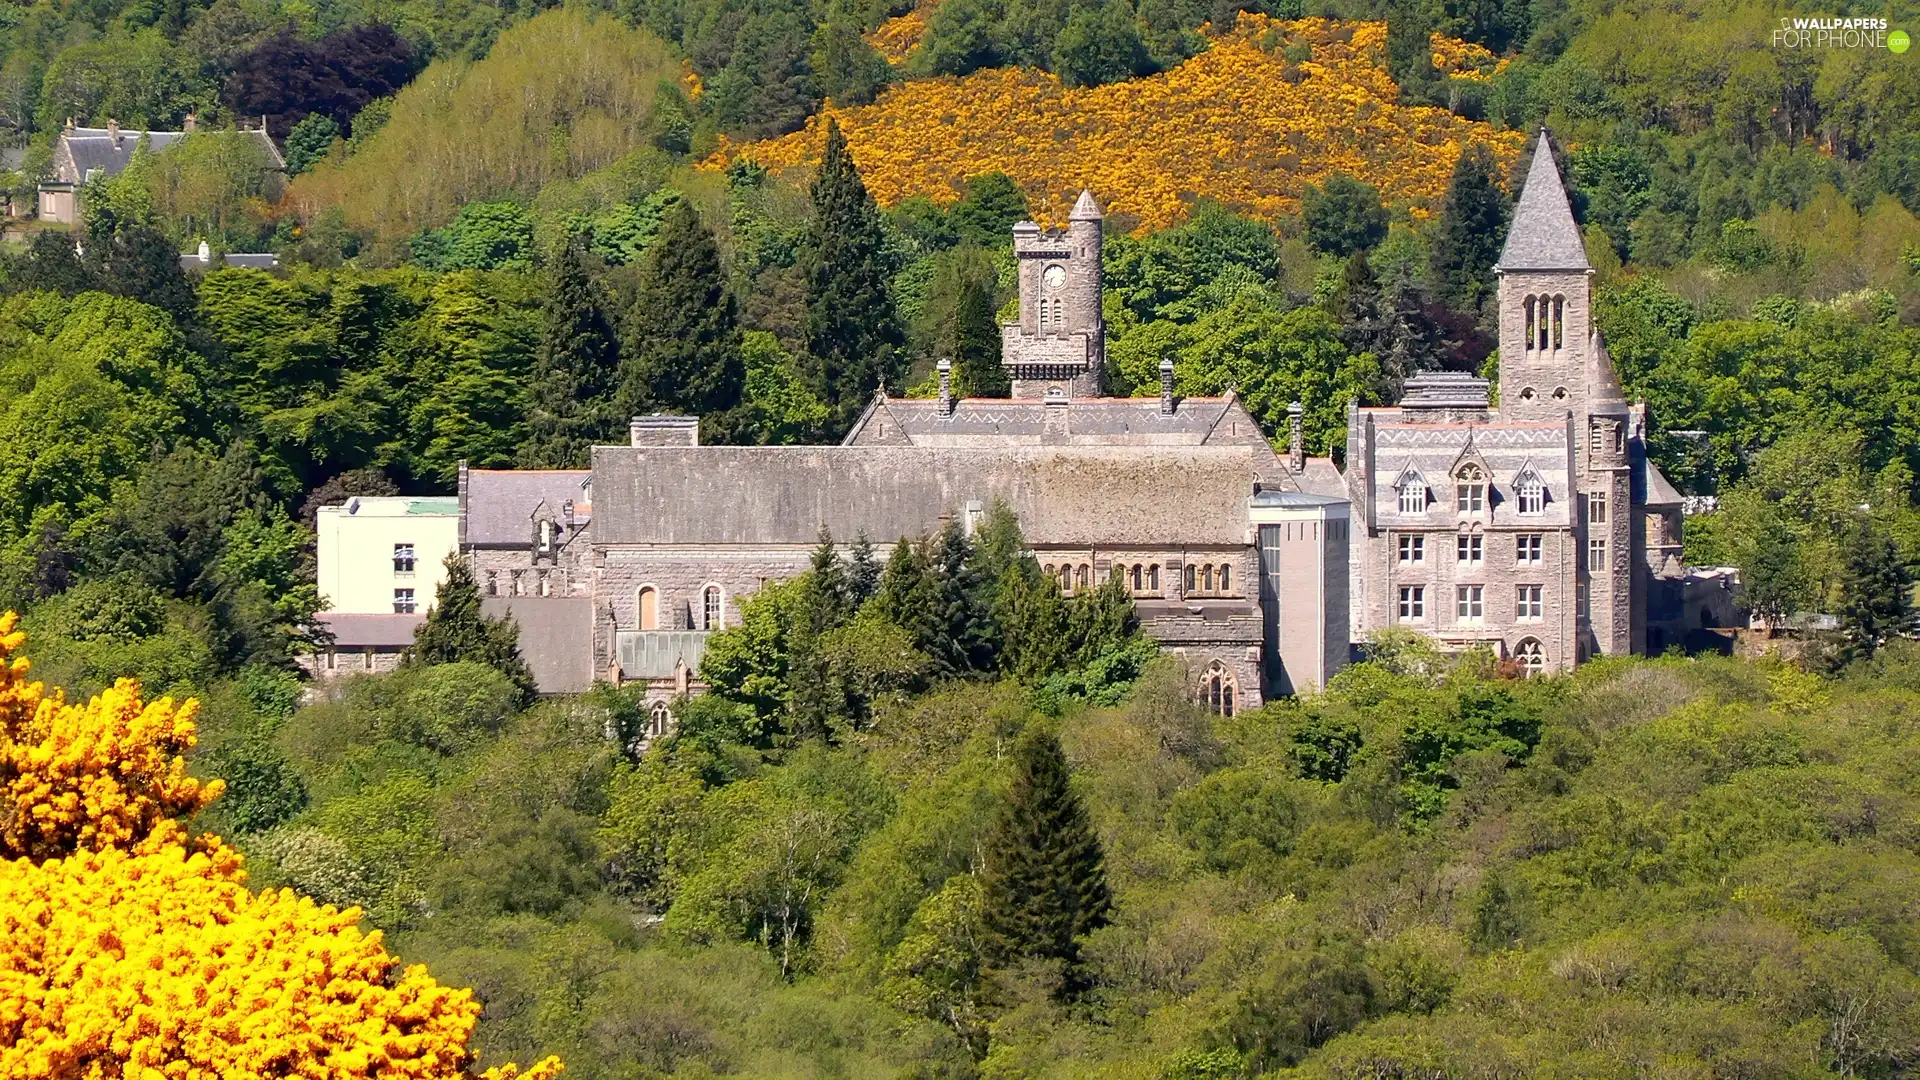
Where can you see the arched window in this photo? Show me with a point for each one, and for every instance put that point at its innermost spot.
(1531, 656)
(1413, 497)
(1559, 317)
(1470, 489)
(1218, 690)
(649, 606)
(1080, 575)
(1530, 323)
(1153, 578)
(1066, 578)
(710, 608)
(1191, 581)
(1134, 578)
(1206, 578)
(659, 720)
(1226, 578)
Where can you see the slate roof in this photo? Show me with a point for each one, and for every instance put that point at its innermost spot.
(1507, 449)
(1101, 421)
(500, 503)
(1085, 208)
(1081, 495)
(556, 638)
(354, 631)
(1543, 235)
(97, 148)
(1651, 486)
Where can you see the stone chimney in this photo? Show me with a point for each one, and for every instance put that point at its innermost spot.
(946, 387)
(1166, 387)
(461, 489)
(1296, 439)
(113, 131)
(192, 121)
(664, 431)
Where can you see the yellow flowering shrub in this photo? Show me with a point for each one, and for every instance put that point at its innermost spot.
(1465, 59)
(127, 953)
(1239, 123)
(107, 774)
(896, 38)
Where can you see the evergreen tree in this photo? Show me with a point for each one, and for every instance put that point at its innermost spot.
(863, 575)
(815, 696)
(973, 342)
(51, 264)
(1410, 56)
(1410, 340)
(1467, 236)
(1876, 593)
(1343, 218)
(137, 261)
(1036, 633)
(1360, 307)
(457, 631)
(1044, 881)
(574, 368)
(682, 352)
(988, 210)
(1103, 619)
(962, 638)
(906, 593)
(853, 337)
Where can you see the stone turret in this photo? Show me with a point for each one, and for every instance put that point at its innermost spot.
(1059, 344)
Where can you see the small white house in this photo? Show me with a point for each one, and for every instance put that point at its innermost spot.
(384, 555)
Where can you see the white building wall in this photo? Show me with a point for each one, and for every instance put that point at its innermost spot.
(356, 550)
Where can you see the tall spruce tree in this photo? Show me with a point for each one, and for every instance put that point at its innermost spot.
(456, 631)
(1466, 239)
(863, 572)
(906, 592)
(972, 341)
(962, 638)
(1036, 630)
(575, 368)
(683, 344)
(814, 694)
(1044, 879)
(854, 342)
(1876, 593)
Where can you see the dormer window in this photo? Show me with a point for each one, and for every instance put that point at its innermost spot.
(1413, 498)
(1470, 490)
(1532, 491)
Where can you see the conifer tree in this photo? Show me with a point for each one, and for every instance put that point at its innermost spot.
(1044, 879)
(1103, 619)
(575, 368)
(1466, 239)
(456, 631)
(814, 696)
(1360, 307)
(962, 638)
(863, 572)
(1876, 601)
(906, 592)
(1035, 630)
(854, 341)
(683, 344)
(972, 341)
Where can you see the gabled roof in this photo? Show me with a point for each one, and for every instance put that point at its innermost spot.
(1409, 474)
(109, 152)
(1527, 472)
(1469, 455)
(1543, 235)
(501, 502)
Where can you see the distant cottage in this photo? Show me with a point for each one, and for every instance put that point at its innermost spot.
(82, 153)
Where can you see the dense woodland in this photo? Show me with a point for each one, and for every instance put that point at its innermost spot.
(508, 228)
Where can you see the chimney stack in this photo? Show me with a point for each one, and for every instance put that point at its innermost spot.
(191, 122)
(113, 131)
(946, 387)
(664, 431)
(1296, 439)
(1166, 386)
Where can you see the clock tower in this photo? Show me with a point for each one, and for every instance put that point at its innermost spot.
(1058, 348)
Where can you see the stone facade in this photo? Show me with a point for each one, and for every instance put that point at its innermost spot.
(1059, 346)
(1539, 529)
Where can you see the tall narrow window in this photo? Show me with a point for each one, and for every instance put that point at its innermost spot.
(1559, 320)
(1226, 578)
(1530, 322)
(649, 607)
(1206, 578)
(1597, 508)
(514, 583)
(1135, 578)
(1190, 582)
(1218, 689)
(403, 558)
(1153, 579)
(1596, 556)
(659, 720)
(1081, 574)
(493, 583)
(546, 537)
(1066, 578)
(710, 613)
(545, 584)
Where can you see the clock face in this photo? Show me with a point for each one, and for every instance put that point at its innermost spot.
(1054, 276)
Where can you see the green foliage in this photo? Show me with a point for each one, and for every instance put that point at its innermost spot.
(853, 338)
(482, 236)
(1343, 218)
(682, 353)
(1043, 884)
(1100, 44)
(309, 142)
(1467, 235)
(456, 632)
(575, 368)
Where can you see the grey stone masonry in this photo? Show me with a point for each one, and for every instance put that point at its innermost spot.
(1059, 346)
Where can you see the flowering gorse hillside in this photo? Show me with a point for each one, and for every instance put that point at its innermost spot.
(1240, 123)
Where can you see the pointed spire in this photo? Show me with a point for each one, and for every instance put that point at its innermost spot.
(1603, 386)
(1543, 235)
(1085, 208)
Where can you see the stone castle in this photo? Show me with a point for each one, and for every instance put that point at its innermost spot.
(1537, 529)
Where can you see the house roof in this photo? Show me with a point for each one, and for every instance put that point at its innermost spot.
(501, 503)
(356, 631)
(556, 638)
(103, 149)
(1174, 495)
(1652, 488)
(1543, 235)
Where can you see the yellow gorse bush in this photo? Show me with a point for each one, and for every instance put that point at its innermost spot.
(126, 952)
(1239, 123)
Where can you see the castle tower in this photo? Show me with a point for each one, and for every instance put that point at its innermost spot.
(1545, 300)
(1058, 348)
(1607, 513)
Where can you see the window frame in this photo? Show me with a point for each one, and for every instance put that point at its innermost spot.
(1529, 603)
(1412, 606)
(1470, 604)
